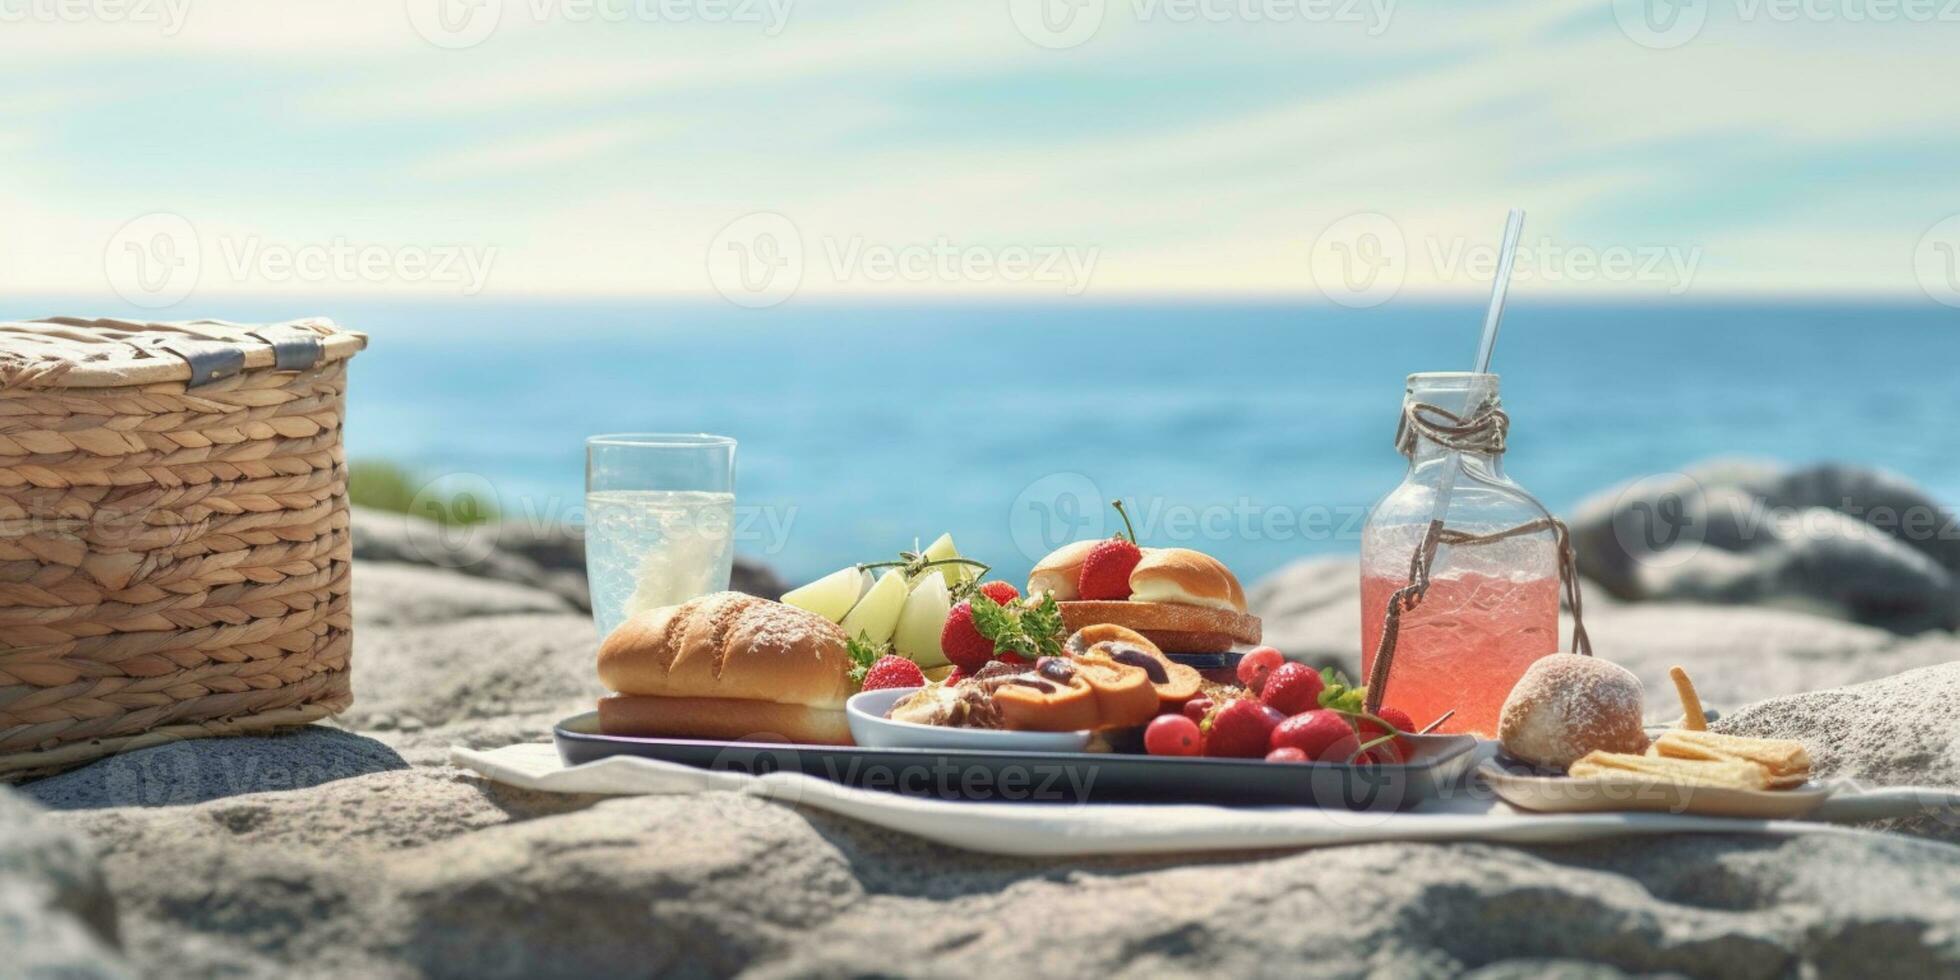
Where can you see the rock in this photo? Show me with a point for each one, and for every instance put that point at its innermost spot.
(197, 770)
(57, 917)
(1842, 541)
(394, 594)
(477, 669)
(542, 555)
(428, 871)
(1901, 730)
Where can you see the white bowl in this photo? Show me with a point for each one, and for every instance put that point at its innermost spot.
(872, 730)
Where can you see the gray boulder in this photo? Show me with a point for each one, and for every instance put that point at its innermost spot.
(196, 770)
(1846, 542)
(540, 554)
(57, 917)
(394, 594)
(430, 871)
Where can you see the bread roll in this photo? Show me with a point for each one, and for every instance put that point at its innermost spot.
(726, 665)
(1187, 578)
(1058, 573)
(1566, 706)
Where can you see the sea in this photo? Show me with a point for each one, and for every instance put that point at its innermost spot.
(1259, 431)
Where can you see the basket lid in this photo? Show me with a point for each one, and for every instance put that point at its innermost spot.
(72, 352)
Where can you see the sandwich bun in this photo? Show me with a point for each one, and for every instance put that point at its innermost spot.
(1186, 577)
(1058, 573)
(727, 666)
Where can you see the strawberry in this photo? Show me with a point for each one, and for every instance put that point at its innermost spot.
(956, 675)
(1323, 735)
(1000, 592)
(893, 671)
(1394, 716)
(1241, 729)
(1256, 664)
(1012, 658)
(1292, 688)
(961, 642)
(1106, 571)
(1197, 708)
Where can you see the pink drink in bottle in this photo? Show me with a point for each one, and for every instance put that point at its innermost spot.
(1491, 609)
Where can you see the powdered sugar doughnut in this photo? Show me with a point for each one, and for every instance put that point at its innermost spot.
(1567, 705)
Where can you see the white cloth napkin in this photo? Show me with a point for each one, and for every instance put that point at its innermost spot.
(1038, 829)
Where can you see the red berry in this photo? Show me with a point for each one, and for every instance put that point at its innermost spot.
(1241, 729)
(1000, 592)
(1292, 688)
(1286, 754)
(957, 675)
(1172, 735)
(1197, 708)
(893, 671)
(1012, 658)
(1256, 664)
(1398, 718)
(1106, 572)
(961, 643)
(1323, 735)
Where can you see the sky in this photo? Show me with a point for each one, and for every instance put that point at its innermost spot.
(1345, 149)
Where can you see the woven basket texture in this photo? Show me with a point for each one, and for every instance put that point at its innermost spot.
(174, 556)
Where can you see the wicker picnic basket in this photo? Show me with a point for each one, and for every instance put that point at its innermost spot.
(174, 551)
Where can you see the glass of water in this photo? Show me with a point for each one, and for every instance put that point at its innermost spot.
(659, 520)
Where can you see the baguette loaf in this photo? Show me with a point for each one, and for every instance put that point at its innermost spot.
(726, 665)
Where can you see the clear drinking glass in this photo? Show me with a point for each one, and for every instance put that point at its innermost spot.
(659, 520)
(1491, 609)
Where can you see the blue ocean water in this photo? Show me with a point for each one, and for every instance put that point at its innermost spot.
(1256, 431)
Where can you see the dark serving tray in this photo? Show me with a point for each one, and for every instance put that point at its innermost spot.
(1060, 777)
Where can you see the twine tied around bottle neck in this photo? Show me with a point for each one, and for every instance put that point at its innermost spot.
(1481, 432)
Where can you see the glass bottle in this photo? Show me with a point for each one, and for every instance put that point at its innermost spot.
(1492, 607)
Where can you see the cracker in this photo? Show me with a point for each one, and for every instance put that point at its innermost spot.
(1780, 756)
(1727, 773)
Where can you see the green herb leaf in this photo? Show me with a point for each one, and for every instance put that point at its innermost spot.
(864, 653)
(1026, 631)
